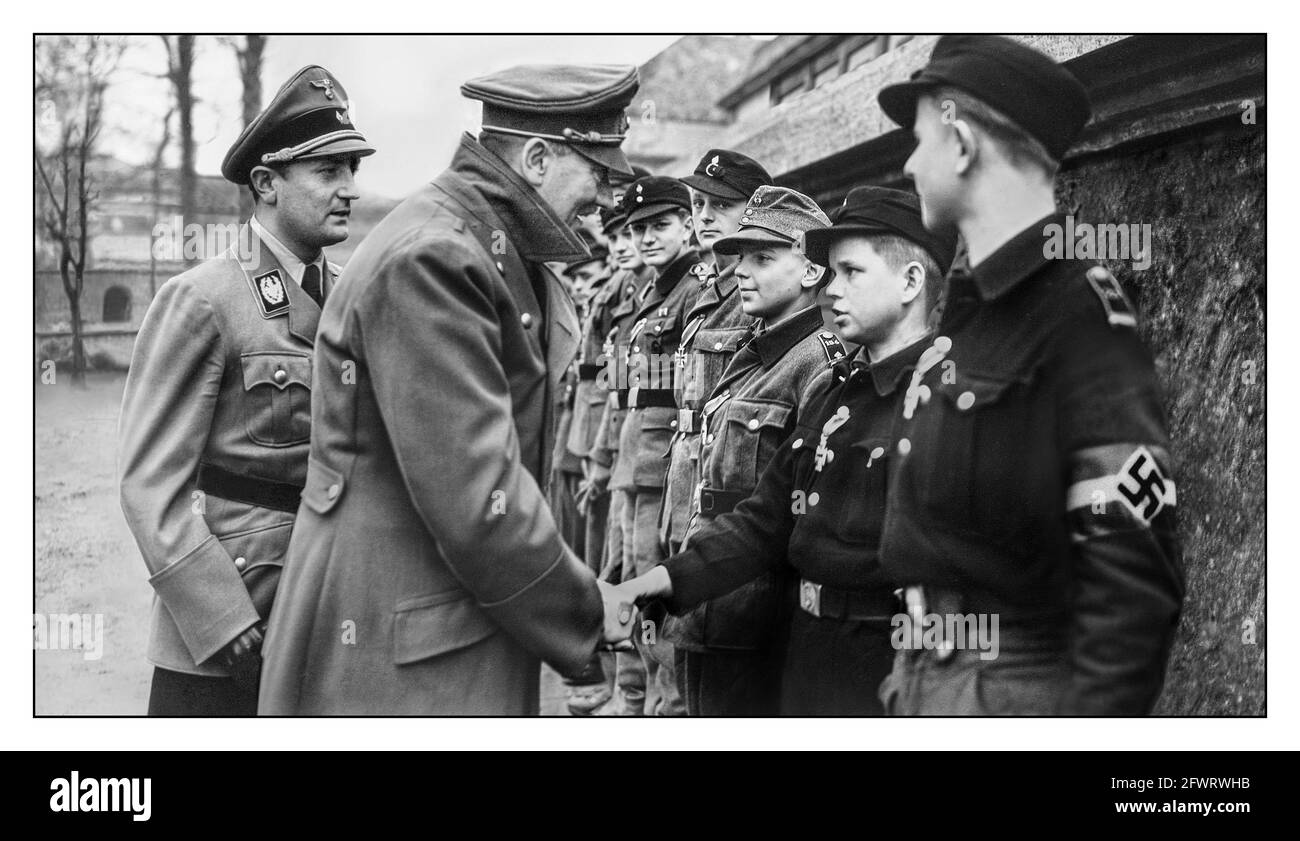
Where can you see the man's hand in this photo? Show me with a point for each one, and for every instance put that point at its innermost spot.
(243, 647)
(655, 584)
(619, 613)
(594, 485)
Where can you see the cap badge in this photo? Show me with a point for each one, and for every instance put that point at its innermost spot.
(713, 170)
(326, 85)
(640, 188)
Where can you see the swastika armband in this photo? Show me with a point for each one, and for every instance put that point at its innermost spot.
(1125, 480)
(1119, 311)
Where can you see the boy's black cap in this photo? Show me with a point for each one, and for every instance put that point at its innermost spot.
(1039, 95)
(728, 174)
(879, 211)
(653, 195)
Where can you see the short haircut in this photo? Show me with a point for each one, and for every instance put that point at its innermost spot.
(1021, 148)
(898, 251)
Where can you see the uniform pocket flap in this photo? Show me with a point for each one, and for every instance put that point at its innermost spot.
(660, 418)
(659, 325)
(719, 340)
(874, 448)
(276, 368)
(973, 391)
(427, 626)
(756, 414)
(324, 486)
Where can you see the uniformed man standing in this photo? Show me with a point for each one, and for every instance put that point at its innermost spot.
(659, 214)
(213, 436)
(426, 574)
(818, 507)
(1034, 482)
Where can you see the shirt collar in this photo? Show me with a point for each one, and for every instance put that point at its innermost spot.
(775, 342)
(666, 281)
(286, 258)
(888, 372)
(1013, 262)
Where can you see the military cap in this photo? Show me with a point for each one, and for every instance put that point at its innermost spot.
(774, 216)
(1039, 95)
(578, 104)
(656, 194)
(878, 211)
(728, 174)
(611, 219)
(307, 118)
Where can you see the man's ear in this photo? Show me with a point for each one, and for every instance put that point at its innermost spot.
(914, 281)
(688, 222)
(812, 274)
(535, 161)
(262, 180)
(967, 146)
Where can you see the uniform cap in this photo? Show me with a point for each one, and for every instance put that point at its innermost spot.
(309, 117)
(878, 211)
(728, 174)
(656, 194)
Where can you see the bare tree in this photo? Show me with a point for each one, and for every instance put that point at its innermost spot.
(180, 68)
(72, 75)
(248, 55)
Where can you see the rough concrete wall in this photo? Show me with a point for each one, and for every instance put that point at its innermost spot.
(1203, 303)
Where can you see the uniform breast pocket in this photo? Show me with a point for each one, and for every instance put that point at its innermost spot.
(979, 443)
(710, 352)
(277, 397)
(750, 434)
(862, 491)
(660, 335)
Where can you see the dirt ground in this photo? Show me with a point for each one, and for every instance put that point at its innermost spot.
(86, 561)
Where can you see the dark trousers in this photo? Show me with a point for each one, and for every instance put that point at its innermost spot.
(729, 683)
(177, 693)
(834, 666)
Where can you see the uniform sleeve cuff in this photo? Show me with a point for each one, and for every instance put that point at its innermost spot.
(207, 599)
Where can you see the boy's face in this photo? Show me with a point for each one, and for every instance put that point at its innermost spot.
(624, 250)
(770, 279)
(715, 217)
(660, 239)
(934, 162)
(866, 294)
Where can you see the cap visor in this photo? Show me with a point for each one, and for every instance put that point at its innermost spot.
(899, 102)
(349, 146)
(817, 243)
(650, 211)
(750, 238)
(607, 156)
(713, 187)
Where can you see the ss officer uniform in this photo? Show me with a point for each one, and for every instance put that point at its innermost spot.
(819, 506)
(213, 435)
(426, 574)
(1033, 478)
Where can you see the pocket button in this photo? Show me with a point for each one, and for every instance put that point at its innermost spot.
(240, 563)
(333, 491)
(280, 376)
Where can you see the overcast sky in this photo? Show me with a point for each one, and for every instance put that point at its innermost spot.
(405, 92)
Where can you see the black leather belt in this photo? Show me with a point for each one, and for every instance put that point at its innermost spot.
(646, 397)
(264, 493)
(587, 371)
(851, 605)
(714, 502)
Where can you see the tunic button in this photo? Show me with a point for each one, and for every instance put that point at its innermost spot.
(672, 424)
(798, 442)
(966, 400)
(717, 345)
(659, 328)
(753, 424)
(709, 440)
(527, 320)
(904, 446)
(813, 498)
(240, 563)
(281, 376)
(333, 491)
(500, 267)
(943, 344)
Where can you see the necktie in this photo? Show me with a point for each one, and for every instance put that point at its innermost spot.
(311, 283)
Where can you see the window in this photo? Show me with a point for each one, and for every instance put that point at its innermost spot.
(117, 304)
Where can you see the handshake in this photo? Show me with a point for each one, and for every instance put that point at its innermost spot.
(621, 601)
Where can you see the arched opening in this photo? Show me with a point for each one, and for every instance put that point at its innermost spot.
(117, 304)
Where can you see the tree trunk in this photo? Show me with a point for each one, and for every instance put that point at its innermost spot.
(250, 74)
(185, 107)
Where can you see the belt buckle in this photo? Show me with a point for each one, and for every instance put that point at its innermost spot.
(685, 420)
(810, 597)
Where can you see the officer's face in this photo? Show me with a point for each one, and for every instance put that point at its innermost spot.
(624, 250)
(660, 240)
(771, 281)
(715, 217)
(313, 200)
(934, 165)
(575, 186)
(866, 294)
